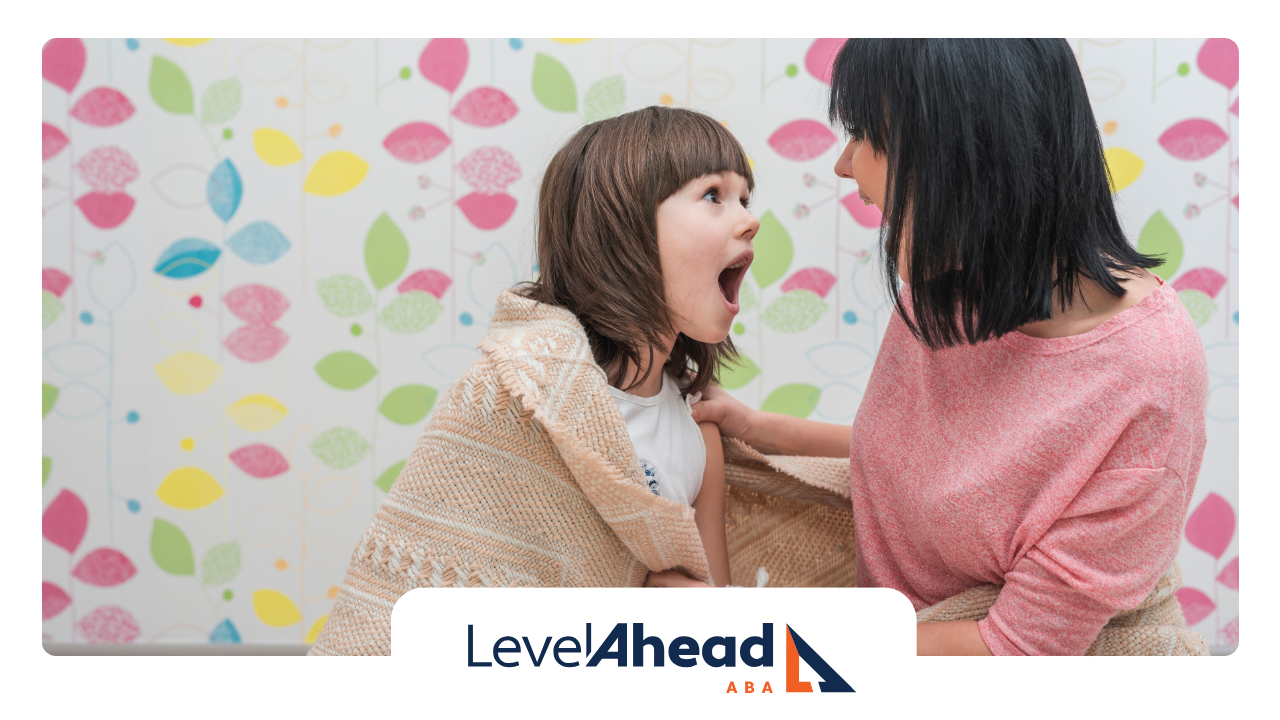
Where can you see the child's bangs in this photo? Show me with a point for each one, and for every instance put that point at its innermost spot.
(697, 145)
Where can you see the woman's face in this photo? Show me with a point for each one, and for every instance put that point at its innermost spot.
(870, 171)
(704, 243)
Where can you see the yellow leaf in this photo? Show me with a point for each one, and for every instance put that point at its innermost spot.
(314, 632)
(570, 41)
(1125, 167)
(275, 608)
(275, 148)
(187, 373)
(256, 413)
(751, 163)
(187, 42)
(189, 488)
(335, 173)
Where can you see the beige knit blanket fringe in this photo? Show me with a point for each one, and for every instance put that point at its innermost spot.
(524, 476)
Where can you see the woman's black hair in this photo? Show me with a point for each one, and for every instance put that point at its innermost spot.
(996, 175)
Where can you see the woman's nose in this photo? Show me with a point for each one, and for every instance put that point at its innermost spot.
(844, 165)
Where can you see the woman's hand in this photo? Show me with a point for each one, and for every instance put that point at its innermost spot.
(671, 578)
(734, 418)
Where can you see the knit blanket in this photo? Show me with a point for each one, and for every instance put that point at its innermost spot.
(524, 476)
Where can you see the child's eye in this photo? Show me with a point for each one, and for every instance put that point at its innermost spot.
(746, 202)
(712, 194)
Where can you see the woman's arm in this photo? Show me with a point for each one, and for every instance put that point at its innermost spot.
(771, 433)
(708, 507)
(954, 637)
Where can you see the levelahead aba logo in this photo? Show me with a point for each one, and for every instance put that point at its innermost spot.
(717, 651)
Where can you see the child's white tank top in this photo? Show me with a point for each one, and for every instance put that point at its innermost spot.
(668, 443)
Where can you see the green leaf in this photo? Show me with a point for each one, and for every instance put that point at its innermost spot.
(773, 251)
(746, 298)
(408, 404)
(605, 98)
(340, 447)
(410, 312)
(50, 397)
(1199, 305)
(386, 252)
(345, 370)
(796, 399)
(795, 311)
(221, 563)
(220, 101)
(388, 476)
(170, 87)
(47, 462)
(553, 85)
(171, 549)
(344, 295)
(1158, 237)
(50, 308)
(738, 374)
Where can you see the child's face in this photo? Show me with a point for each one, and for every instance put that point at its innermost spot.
(704, 242)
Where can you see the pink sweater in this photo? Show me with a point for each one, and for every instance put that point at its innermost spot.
(1059, 468)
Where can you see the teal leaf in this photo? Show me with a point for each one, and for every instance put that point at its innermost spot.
(410, 312)
(344, 295)
(170, 87)
(187, 258)
(259, 243)
(386, 252)
(408, 404)
(553, 85)
(224, 190)
(224, 632)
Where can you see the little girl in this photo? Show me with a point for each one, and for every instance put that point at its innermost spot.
(567, 455)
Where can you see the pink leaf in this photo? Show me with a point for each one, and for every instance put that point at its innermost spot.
(815, 280)
(54, 280)
(256, 303)
(864, 215)
(104, 567)
(1196, 606)
(1235, 107)
(802, 139)
(489, 169)
(1211, 525)
(1230, 633)
(53, 600)
(62, 62)
(821, 56)
(52, 141)
(110, 624)
(444, 62)
(105, 210)
(260, 461)
(485, 107)
(433, 282)
(1236, 201)
(65, 520)
(487, 211)
(1206, 280)
(102, 107)
(1230, 575)
(1193, 139)
(1219, 58)
(107, 168)
(416, 142)
(256, 342)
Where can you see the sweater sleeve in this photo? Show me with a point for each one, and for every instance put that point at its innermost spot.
(1103, 554)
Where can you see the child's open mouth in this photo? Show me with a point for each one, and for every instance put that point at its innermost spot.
(731, 279)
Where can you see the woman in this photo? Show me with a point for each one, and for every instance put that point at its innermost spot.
(1035, 417)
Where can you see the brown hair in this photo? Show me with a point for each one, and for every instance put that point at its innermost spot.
(598, 234)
